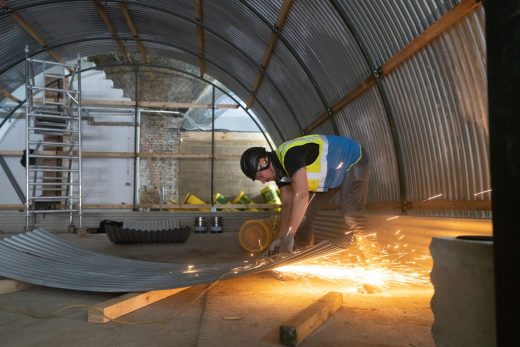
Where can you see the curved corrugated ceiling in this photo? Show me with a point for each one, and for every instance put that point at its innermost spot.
(424, 121)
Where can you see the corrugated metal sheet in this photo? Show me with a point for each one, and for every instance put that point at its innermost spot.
(326, 47)
(441, 118)
(267, 9)
(225, 56)
(386, 27)
(40, 258)
(291, 78)
(437, 99)
(364, 120)
(58, 22)
(229, 21)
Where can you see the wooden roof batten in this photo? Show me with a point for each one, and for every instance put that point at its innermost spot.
(30, 30)
(110, 27)
(273, 40)
(200, 37)
(34, 34)
(442, 25)
(135, 33)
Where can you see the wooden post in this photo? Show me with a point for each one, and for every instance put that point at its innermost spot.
(304, 323)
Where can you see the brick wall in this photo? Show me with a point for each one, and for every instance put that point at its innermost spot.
(159, 133)
(195, 174)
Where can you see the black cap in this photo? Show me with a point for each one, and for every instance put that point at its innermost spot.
(249, 161)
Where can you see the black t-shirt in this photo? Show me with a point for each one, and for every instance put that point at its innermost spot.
(296, 158)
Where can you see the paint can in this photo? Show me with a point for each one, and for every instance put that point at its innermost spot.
(271, 196)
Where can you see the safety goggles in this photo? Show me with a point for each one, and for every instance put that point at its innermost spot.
(262, 168)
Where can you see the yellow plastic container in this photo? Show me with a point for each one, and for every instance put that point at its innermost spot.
(191, 199)
(220, 199)
(256, 235)
(271, 196)
(242, 198)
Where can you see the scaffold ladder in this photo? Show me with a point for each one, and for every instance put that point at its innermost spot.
(53, 140)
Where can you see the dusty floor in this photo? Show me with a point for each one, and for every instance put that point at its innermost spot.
(246, 311)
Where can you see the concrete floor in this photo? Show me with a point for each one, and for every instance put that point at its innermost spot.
(245, 311)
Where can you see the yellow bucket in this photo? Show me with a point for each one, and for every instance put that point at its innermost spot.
(242, 198)
(191, 199)
(256, 235)
(271, 196)
(220, 199)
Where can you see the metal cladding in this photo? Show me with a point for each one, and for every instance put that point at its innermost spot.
(41, 258)
(429, 113)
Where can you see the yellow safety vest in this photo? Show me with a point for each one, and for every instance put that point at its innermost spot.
(316, 171)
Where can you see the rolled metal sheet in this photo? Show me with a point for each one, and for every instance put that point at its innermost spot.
(41, 258)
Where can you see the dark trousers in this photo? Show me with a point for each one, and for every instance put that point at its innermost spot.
(353, 196)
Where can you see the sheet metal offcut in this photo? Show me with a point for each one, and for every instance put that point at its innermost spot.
(41, 258)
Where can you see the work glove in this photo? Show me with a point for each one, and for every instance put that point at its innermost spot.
(274, 248)
(287, 244)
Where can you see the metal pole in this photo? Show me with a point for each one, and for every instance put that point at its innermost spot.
(212, 147)
(27, 92)
(137, 141)
(80, 162)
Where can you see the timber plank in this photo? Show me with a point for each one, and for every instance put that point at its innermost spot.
(305, 322)
(114, 308)
(9, 286)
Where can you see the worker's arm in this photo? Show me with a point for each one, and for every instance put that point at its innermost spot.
(298, 205)
(286, 195)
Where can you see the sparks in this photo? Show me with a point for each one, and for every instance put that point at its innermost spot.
(368, 267)
(434, 197)
(483, 192)
(189, 269)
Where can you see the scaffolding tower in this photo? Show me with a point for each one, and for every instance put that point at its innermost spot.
(53, 140)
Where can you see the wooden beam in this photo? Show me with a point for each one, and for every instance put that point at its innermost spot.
(9, 286)
(12, 207)
(115, 308)
(147, 104)
(10, 96)
(180, 207)
(130, 155)
(472, 205)
(273, 40)
(442, 25)
(21, 22)
(134, 32)
(460, 205)
(484, 205)
(200, 37)
(304, 323)
(110, 27)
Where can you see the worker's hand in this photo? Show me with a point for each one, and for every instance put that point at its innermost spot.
(287, 244)
(274, 247)
(275, 244)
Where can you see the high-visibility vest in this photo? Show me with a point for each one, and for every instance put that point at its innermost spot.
(336, 155)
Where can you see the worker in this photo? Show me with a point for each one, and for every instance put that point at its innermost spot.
(309, 171)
